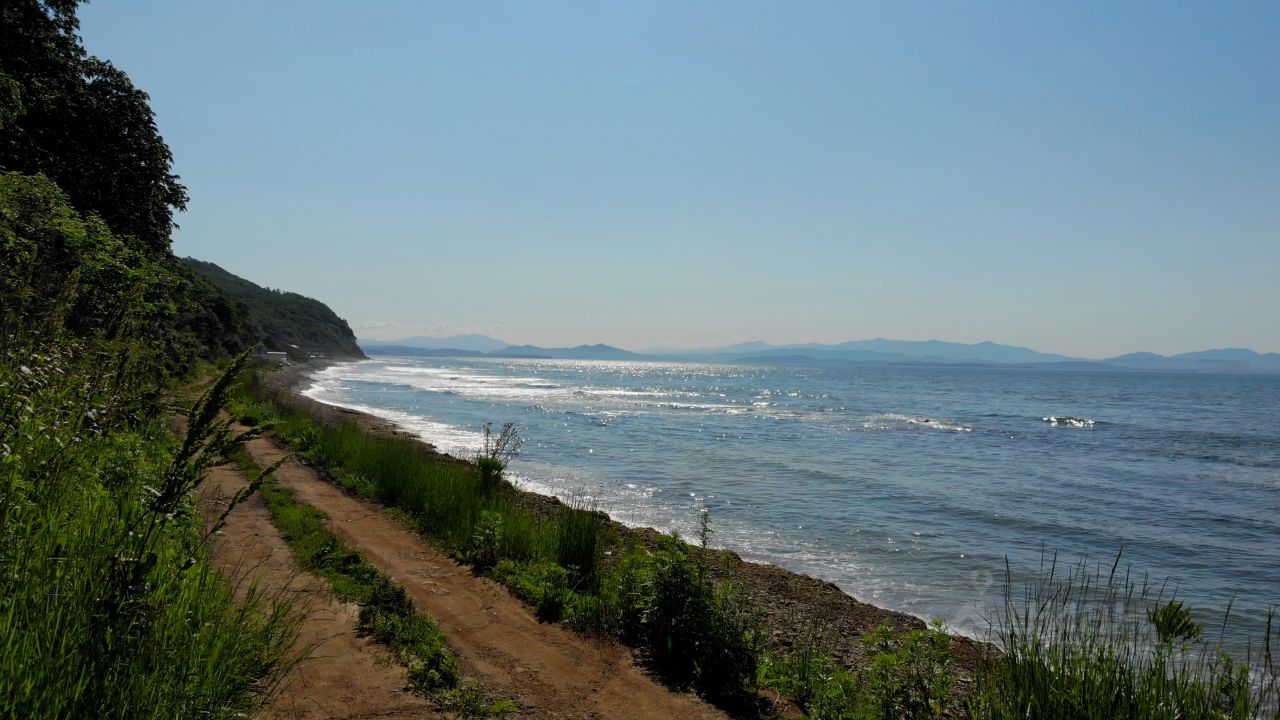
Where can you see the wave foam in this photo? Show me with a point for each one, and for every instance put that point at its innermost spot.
(327, 388)
(1070, 421)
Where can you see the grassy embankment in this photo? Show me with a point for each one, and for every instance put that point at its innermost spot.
(1058, 656)
(110, 604)
(387, 615)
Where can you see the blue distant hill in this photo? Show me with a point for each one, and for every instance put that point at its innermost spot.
(1138, 357)
(875, 351)
(473, 342)
(1225, 354)
(1225, 360)
(880, 350)
(410, 351)
(581, 352)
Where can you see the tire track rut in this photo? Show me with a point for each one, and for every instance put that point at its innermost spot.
(546, 669)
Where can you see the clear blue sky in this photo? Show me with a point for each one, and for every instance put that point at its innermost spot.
(1085, 178)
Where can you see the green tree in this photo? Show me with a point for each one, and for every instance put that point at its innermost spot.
(62, 272)
(80, 121)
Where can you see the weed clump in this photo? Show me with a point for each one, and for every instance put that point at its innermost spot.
(390, 618)
(578, 540)
(496, 452)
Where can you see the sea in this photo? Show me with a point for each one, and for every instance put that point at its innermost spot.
(918, 488)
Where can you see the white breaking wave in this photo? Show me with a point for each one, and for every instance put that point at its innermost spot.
(528, 391)
(1068, 421)
(633, 504)
(327, 388)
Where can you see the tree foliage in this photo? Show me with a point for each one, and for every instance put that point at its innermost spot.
(67, 275)
(80, 121)
(87, 198)
(89, 251)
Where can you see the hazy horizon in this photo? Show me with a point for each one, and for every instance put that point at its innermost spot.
(380, 334)
(1080, 179)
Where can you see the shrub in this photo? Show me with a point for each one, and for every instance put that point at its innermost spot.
(497, 451)
(486, 541)
(544, 585)
(909, 675)
(594, 613)
(699, 633)
(813, 680)
(390, 617)
(357, 483)
(1173, 623)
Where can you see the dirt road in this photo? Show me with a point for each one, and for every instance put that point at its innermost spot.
(345, 676)
(548, 671)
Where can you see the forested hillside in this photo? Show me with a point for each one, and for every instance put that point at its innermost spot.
(286, 321)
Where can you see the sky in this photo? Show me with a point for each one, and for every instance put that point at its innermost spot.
(1084, 178)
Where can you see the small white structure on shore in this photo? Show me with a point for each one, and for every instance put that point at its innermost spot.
(279, 358)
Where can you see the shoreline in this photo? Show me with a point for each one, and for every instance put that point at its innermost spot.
(794, 605)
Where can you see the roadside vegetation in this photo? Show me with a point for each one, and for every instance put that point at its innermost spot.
(1055, 654)
(109, 604)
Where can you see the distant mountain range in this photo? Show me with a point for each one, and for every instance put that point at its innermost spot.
(877, 351)
(581, 352)
(473, 341)
(474, 345)
(1226, 360)
(882, 350)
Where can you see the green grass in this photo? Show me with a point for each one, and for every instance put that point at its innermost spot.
(578, 544)
(907, 676)
(1089, 643)
(1086, 646)
(109, 604)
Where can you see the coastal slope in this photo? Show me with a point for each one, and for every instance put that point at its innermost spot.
(285, 321)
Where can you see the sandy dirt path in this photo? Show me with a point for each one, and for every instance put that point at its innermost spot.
(547, 670)
(345, 676)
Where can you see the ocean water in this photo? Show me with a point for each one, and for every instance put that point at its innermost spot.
(909, 487)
